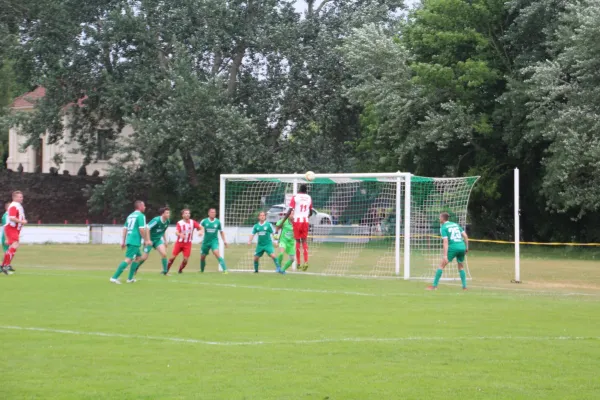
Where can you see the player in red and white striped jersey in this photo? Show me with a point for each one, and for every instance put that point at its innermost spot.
(12, 229)
(302, 206)
(185, 232)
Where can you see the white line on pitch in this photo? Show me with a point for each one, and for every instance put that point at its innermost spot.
(522, 292)
(296, 342)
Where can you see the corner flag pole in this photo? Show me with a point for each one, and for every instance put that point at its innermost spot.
(517, 230)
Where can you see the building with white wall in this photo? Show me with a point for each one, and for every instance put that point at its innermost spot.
(43, 158)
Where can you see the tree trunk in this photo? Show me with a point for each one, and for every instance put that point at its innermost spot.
(238, 57)
(217, 63)
(190, 168)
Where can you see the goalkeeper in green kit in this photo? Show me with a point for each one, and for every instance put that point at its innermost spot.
(264, 230)
(456, 245)
(287, 243)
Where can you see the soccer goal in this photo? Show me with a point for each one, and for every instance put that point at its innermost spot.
(374, 224)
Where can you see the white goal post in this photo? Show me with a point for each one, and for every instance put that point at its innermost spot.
(371, 224)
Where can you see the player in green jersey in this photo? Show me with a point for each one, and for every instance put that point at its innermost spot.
(158, 235)
(287, 243)
(134, 231)
(4, 222)
(209, 229)
(264, 230)
(456, 245)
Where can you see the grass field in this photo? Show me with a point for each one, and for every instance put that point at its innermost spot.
(66, 333)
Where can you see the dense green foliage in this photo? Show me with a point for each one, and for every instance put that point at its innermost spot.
(450, 88)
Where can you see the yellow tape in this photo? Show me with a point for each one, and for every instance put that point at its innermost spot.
(470, 240)
(536, 243)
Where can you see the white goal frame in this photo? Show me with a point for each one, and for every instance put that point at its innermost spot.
(402, 267)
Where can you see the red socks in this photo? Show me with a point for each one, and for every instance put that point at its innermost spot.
(298, 251)
(169, 265)
(8, 256)
(182, 266)
(305, 248)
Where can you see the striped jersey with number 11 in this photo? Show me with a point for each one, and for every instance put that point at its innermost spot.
(302, 204)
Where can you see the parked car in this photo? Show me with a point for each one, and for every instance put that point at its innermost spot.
(278, 211)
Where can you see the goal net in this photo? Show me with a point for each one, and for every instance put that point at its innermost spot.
(365, 225)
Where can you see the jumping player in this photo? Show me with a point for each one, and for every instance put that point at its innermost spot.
(456, 245)
(185, 233)
(158, 235)
(209, 228)
(286, 242)
(301, 204)
(264, 230)
(134, 231)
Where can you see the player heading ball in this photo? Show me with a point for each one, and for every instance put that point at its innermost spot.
(302, 206)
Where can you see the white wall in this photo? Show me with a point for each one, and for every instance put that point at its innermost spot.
(55, 234)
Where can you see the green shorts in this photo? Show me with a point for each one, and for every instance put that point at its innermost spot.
(155, 244)
(288, 246)
(260, 250)
(208, 246)
(132, 252)
(458, 253)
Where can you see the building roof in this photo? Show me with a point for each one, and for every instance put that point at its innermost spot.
(29, 99)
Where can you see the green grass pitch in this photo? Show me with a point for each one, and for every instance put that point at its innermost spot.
(67, 333)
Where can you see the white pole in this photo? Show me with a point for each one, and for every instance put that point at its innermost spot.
(407, 212)
(517, 230)
(397, 233)
(222, 216)
(294, 192)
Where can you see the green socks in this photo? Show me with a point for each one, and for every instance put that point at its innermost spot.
(463, 278)
(202, 265)
(438, 275)
(132, 269)
(165, 265)
(222, 264)
(287, 265)
(255, 266)
(277, 265)
(280, 258)
(120, 270)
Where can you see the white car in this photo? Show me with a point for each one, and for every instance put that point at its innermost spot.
(278, 211)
